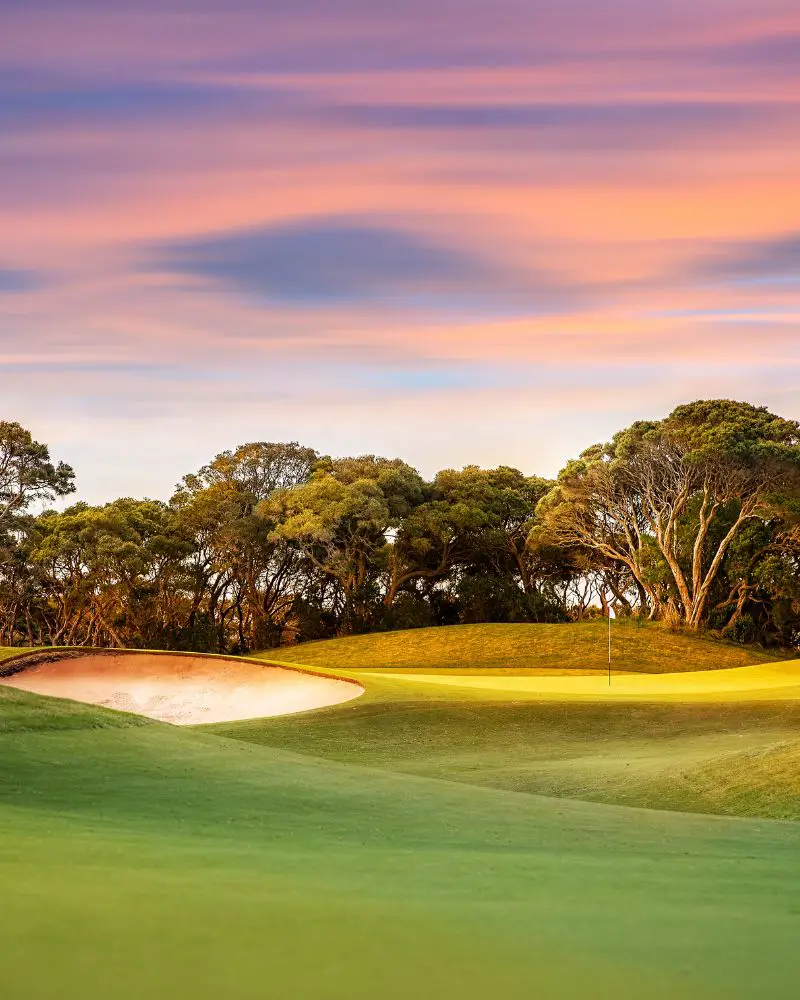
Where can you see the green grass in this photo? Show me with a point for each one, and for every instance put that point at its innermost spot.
(150, 861)
(660, 754)
(24, 712)
(698, 758)
(639, 647)
(399, 846)
(6, 652)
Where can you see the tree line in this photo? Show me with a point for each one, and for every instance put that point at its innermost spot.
(693, 520)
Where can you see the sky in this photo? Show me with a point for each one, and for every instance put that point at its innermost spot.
(450, 231)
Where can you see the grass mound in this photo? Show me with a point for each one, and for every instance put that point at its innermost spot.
(640, 647)
(23, 712)
(677, 756)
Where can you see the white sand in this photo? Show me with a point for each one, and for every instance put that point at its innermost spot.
(183, 690)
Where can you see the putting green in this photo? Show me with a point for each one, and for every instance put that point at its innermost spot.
(764, 681)
(528, 711)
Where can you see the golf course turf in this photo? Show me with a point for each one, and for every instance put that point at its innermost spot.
(424, 840)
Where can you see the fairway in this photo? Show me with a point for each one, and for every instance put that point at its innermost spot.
(230, 866)
(528, 711)
(426, 839)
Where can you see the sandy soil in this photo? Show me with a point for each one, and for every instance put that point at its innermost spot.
(183, 690)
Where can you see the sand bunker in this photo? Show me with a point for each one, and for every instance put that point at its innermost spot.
(763, 682)
(183, 690)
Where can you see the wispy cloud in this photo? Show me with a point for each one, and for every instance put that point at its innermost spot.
(768, 261)
(16, 280)
(424, 228)
(319, 261)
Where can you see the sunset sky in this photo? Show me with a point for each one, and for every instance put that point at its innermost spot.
(456, 232)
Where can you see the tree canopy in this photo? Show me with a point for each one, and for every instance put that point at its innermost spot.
(26, 472)
(665, 500)
(693, 519)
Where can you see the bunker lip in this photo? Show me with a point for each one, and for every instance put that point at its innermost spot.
(180, 688)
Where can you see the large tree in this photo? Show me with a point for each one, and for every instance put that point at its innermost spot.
(241, 570)
(666, 499)
(26, 472)
(344, 519)
(476, 519)
(104, 574)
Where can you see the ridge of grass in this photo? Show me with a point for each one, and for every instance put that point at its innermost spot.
(21, 711)
(637, 646)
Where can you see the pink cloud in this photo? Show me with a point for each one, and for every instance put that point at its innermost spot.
(605, 151)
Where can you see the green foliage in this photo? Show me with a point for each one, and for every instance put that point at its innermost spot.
(26, 472)
(666, 500)
(490, 598)
(691, 520)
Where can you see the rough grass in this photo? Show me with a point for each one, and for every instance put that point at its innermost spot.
(637, 646)
(6, 652)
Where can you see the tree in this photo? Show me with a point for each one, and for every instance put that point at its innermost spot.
(342, 520)
(26, 472)
(759, 588)
(239, 567)
(103, 572)
(655, 497)
(476, 519)
(693, 518)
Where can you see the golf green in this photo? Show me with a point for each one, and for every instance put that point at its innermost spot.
(394, 846)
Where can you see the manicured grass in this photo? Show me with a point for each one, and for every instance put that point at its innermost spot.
(637, 646)
(23, 712)
(690, 757)
(150, 861)
(762, 681)
(399, 846)
(638, 743)
(6, 652)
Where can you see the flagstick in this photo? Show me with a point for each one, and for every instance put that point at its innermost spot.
(609, 645)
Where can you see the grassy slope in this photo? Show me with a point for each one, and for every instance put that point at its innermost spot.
(149, 861)
(638, 647)
(6, 652)
(734, 758)
(23, 712)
